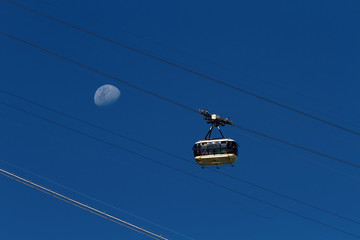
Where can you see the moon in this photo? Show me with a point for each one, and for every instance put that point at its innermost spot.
(106, 95)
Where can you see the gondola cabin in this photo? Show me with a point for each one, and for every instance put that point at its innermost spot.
(215, 151)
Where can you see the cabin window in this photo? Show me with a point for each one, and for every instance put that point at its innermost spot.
(217, 147)
(210, 148)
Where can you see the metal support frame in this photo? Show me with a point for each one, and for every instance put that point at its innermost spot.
(208, 135)
(220, 132)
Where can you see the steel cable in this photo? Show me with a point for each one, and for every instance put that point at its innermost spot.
(176, 156)
(95, 200)
(173, 101)
(81, 205)
(187, 69)
(183, 171)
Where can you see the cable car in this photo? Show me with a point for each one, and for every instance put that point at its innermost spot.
(215, 152)
(218, 151)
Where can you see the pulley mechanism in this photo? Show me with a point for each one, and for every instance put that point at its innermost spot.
(215, 121)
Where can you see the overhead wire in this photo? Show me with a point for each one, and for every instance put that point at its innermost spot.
(184, 68)
(100, 72)
(227, 68)
(147, 65)
(81, 205)
(176, 156)
(118, 209)
(297, 146)
(173, 101)
(88, 123)
(95, 199)
(308, 159)
(283, 142)
(184, 172)
(129, 59)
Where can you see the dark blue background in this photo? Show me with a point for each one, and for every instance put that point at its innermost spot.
(305, 54)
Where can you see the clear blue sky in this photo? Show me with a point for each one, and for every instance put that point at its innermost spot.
(305, 54)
